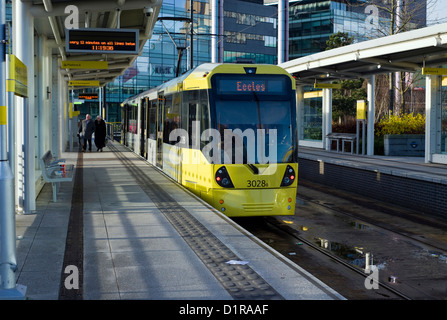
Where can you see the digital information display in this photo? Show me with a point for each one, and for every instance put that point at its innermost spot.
(88, 96)
(241, 86)
(123, 41)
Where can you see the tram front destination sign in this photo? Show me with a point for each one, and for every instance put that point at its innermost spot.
(102, 40)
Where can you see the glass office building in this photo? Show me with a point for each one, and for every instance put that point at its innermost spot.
(311, 22)
(250, 32)
(249, 35)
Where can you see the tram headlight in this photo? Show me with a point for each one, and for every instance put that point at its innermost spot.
(223, 178)
(289, 177)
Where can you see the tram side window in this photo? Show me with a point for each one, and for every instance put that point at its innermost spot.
(176, 110)
(184, 112)
(152, 116)
(204, 114)
(189, 111)
(166, 126)
(133, 119)
(192, 118)
(172, 116)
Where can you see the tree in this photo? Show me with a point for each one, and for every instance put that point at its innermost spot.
(344, 99)
(396, 16)
(339, 39)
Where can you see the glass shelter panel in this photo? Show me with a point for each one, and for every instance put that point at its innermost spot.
(312, 117)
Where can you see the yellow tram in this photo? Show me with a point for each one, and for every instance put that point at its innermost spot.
(227, 132)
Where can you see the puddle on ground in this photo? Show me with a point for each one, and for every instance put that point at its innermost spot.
(438, 255)
(301, 202)
(360, 226)
(353, 255)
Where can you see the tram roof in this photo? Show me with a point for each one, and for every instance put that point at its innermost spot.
(408, 51)
(199, 77)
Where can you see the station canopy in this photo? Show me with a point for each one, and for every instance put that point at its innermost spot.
(50, 19)
(408, 51)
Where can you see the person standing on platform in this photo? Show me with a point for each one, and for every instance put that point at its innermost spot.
(100, 133)
(86, 130)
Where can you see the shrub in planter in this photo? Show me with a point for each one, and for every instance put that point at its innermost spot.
(404, 124)
(403, 135)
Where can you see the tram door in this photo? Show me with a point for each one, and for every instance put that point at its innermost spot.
(143, 128)
(161, 100)
(125, 124)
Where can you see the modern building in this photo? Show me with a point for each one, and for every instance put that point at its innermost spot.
(247, 33)
(250, 32)
(313, 21)
(412, 51)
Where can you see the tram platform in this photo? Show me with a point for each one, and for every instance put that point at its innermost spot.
(123, 230)
(404, 181)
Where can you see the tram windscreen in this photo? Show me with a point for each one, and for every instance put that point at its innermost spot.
(255, 125)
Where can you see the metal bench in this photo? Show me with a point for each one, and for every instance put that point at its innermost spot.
(342, 137)
(55, 170)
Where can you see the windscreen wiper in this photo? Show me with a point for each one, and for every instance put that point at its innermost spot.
(253, 168)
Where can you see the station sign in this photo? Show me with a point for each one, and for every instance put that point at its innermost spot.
(102, 40)
(17, 81)
(361, 110)
(88, 96)
(83, 83)
(3, 115)
(434, 71)
(98, 65)
(313, 94)
(319, 85)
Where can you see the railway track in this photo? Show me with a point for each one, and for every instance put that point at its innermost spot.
(391, 232)
(292, 232)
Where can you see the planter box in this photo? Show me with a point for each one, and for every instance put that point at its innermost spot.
(411, 145)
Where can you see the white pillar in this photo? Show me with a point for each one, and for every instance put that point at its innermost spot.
(62, 113)
(221, 31)
(54, 106)
(283, 31)
(432, 116)
(299, 111)
(214, 30)
(327, 117)
(371, 116)
(8, 261)
(23, 33)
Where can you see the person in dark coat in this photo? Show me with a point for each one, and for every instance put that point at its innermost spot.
(100, 133)
(86, 130)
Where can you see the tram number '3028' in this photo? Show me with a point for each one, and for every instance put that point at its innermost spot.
(257, 184)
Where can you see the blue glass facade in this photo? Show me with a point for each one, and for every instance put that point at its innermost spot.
(249, 34)
(313, 21)
(158, 61)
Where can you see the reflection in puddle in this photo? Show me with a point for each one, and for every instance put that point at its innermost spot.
(354, 256)
(360, 226)
(438, 255)
(298, 227)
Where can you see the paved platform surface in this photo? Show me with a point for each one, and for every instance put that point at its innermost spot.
(406, 167)
(131, 248)
(408, 182)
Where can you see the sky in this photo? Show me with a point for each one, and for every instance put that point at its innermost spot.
(436, 11)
